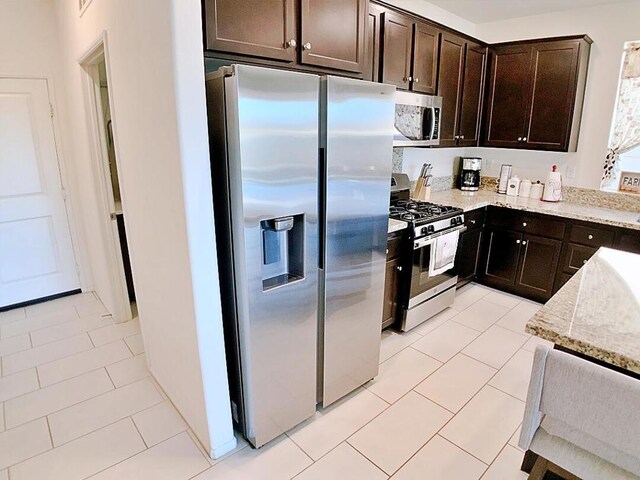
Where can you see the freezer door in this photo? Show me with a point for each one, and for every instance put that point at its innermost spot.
(272, 135)
(357, 139)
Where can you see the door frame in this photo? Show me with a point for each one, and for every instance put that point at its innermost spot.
(100, 166)
(77, 240)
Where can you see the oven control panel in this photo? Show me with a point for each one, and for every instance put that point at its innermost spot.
(438, 227)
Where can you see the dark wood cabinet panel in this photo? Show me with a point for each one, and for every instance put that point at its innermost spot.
(397, 37)
(508, 96)
(575, 256)
(468, 256)
(425, 58)
(472, 95)
(537, 270)
(391, 283)
(591, 235)
(552, 97)
(372, 49)
(501, 253)
(252, 27)
(333, 33)
(629, 241)
(450, 79)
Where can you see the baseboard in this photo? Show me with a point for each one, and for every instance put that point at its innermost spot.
(223, 449)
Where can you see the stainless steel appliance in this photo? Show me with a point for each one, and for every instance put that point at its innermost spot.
(300, 169)
(417, 120)
(425, 291)
(470, 173)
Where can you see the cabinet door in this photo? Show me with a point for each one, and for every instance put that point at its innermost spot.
(501, 254)
(468, 255)
(251, 27)
(472, 95)
(425, 58)
(333, 33)
(555, 66)
(508, 96)
(629, 241)
(390, 292)
(450, 86)
(538, 267)
(396, 50)
(372, 44)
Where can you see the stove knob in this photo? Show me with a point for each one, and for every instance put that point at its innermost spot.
(424, 231)
(454, 222)
(430, 229)
(459, 220)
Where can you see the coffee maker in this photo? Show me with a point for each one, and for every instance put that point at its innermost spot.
(470, 173)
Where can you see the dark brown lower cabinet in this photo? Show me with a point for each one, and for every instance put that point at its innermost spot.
(468, 256)
(520, 263)
(500, 258)
(391, 279)
(538, 265)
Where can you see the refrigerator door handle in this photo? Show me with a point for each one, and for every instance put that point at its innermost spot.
(322, 204)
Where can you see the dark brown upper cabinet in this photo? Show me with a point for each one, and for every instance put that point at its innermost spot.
(397, 39)
(424, 71)
(461, 86)
(536, 94)
(333, 33)
(314, 33)
(372, 48)
(475, 67)
(252, 27)
(450, 82)
(409, 53)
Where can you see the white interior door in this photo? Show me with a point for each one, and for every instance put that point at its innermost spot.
(36, 253)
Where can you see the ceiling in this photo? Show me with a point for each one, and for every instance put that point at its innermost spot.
(482, 11)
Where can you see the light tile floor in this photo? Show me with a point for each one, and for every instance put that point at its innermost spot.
(77, 401)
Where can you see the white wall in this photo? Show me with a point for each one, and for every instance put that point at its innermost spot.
(610, 27)
(155, 68)
(437, 14)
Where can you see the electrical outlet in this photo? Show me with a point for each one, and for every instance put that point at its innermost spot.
(571, 171)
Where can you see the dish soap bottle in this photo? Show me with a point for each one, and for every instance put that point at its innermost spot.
(513, 186)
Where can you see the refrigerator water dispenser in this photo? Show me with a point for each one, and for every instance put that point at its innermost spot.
(282, 250)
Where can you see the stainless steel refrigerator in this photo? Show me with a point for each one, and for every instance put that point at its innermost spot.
(301, 170)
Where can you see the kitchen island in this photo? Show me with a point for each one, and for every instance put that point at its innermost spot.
(596, 314)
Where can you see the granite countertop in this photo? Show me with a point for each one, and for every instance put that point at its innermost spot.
(396, 225)
(472, 200)
(597, 312)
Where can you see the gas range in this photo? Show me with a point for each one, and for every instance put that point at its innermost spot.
(426, 218)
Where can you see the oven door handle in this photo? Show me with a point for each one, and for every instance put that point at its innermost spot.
(424, 241)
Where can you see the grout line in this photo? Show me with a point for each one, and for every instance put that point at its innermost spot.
(38, 377)
(49, 429)
(140, 433)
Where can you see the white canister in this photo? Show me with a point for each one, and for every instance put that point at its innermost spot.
(513, 186)
(536, 190)
(525, 188)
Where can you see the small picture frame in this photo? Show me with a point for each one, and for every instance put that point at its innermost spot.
(629, 182)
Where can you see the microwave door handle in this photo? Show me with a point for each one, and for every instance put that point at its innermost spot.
(433, 123)
(427, 123)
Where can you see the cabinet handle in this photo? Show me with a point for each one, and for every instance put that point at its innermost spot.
(590, 237)
(524, 224)
(462, 137)
(518, 242)
(472, 222)
(292, 43)
(306, 46)
(456, 137)
(387, 252)
(524, 139)
(417, 80)
(519, 139)
(399, 268)
(524, 242)
(584, 261)
(407, 79)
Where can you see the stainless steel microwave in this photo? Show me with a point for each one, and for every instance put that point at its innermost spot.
(417, 122)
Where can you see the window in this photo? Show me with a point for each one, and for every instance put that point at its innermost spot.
(624, 141)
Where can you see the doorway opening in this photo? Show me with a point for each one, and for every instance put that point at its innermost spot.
(123, 295)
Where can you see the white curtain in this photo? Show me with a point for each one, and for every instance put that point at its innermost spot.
(625, 133)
